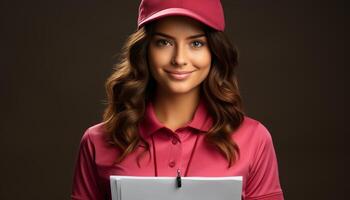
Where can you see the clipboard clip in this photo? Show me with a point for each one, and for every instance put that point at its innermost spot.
(178, 178)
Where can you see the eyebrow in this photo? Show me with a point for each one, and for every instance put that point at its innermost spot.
(171, 37)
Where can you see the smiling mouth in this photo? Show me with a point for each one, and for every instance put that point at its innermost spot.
(179, 75)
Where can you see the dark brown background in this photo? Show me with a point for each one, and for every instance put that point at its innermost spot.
(56, 55)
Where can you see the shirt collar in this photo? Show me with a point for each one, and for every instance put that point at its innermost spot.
(150, 124)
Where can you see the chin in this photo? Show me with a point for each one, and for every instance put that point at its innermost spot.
(177, 89)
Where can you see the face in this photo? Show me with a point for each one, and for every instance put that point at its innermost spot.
(179, 56)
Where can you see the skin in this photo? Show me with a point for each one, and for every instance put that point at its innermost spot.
(179, 45)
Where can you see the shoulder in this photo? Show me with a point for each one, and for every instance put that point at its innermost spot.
(94, 134)
(96, 144)
(252, 125)
(253, 131)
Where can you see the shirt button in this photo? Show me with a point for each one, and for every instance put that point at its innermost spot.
(172, 164)
(174, 141)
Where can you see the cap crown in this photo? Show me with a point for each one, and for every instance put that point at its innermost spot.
(209, 12)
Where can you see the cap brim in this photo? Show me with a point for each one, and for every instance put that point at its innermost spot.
(179, 12)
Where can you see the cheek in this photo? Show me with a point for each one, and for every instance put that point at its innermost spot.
(204, 74)
(203, 63)
(157, 58)
(202, 60)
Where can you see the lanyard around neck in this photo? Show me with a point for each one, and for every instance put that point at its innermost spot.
(188, 164)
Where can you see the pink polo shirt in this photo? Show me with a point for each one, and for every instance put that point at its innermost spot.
(170, 151)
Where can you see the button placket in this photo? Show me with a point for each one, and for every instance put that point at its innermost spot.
(176, 151)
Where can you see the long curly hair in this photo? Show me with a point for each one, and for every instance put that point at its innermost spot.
(131, 85)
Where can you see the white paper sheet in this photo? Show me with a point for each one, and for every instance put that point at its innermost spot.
(161, 188)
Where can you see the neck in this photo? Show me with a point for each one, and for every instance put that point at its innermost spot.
(176, 110)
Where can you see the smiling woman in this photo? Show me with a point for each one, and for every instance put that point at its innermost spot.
(174, 106)
(179, 57)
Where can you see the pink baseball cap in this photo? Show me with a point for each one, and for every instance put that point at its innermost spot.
(209, 12)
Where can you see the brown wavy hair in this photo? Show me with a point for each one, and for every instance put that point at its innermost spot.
(131, 85)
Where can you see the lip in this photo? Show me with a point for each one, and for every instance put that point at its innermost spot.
(179, 75)
(178, 72)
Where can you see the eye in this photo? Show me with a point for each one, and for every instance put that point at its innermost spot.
(197, 44)
(162, 42)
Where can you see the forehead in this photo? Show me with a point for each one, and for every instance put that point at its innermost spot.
(178, 25)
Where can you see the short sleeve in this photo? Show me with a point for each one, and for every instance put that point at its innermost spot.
(263, 179)
(85, 183)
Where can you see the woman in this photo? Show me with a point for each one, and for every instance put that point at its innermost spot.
(174, 104)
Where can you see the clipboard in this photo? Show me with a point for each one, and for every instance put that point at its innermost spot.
(160, 188)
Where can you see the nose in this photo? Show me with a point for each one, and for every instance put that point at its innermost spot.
(179, 58)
